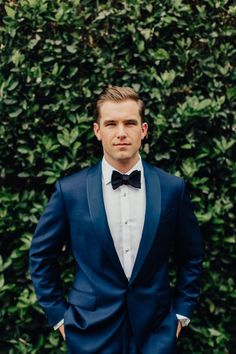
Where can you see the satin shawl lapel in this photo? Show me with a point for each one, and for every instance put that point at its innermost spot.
(98, 216)
(152, 216)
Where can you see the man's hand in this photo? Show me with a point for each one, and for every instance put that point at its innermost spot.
(179, 327)
(62, 331)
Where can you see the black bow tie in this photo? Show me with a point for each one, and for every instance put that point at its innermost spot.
(117, 179)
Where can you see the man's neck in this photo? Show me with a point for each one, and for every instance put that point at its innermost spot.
(123, 166)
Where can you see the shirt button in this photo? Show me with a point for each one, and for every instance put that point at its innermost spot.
(126, 222)
(127, 250)
(124, 195)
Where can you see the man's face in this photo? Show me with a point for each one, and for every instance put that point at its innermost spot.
(120, 130)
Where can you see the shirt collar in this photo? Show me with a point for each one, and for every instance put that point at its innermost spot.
(107, 169)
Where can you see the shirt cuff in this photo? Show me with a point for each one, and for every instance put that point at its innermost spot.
(59, 324)
(183, 319)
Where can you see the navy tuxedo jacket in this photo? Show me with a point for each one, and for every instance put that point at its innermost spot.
(101, 298)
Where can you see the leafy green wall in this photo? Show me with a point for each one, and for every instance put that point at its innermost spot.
(56, 56)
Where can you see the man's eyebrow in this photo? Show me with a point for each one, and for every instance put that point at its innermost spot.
(131, 120)
(107, 121)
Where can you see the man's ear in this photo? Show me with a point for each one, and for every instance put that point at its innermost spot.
(96, 130)
(144, 130)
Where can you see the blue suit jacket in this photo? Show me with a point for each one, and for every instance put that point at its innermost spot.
(101, 298)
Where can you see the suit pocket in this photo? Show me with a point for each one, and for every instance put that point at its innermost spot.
(84, 300)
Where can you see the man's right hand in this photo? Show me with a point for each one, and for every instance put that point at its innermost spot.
(62, 331)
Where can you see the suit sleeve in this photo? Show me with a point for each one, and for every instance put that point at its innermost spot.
(46, 246)
(188, 256)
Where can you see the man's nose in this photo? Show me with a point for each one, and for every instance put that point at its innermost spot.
(121, 131)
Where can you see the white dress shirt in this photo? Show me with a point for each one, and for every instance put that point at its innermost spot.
(125, 209)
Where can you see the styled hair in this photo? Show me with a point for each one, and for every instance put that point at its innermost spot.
(119, 94)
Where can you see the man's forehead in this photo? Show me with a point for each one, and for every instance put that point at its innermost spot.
(117, 106)
(114, 110)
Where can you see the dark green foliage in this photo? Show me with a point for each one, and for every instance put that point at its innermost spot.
(56, 56)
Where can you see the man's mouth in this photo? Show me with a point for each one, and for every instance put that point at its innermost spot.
(122, 144)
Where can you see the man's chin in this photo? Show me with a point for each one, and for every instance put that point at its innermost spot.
(123, 156)
(126, 159)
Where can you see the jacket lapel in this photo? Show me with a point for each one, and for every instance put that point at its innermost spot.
(152, 216)
(98, 216)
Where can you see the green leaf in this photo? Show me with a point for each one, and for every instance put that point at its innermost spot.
(51, 180)
(231, 93)
(74, 135)
(2, 281)
(13, 85)
(230, 240)
(10, 12)
(15, 113)
(162, 54)
(204, 104)
(203, 218)
(136, 87)
(214, 332)
(24, 149)
(141, 46)
(71, 49)
(168, 77)
(64, 138)
(23, 174)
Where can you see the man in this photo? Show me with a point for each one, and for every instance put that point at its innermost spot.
(122, 218)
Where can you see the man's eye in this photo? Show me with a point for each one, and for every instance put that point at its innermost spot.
(109, 124)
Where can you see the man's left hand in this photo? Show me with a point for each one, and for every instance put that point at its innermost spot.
(179, 327)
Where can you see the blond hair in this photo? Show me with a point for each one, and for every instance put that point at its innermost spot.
(119, 94)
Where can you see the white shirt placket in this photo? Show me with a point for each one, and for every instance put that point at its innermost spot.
(125, 229)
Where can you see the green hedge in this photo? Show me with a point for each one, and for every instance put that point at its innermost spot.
(56, 56)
